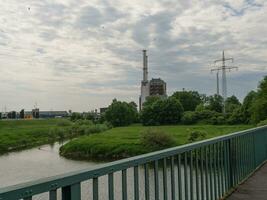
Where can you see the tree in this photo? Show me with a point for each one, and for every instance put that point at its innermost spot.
(237, 116)
(188, 99)
(120, 113)
(232, 100)
(150, 100)
(21, 114)
(76, 116)
(189, 117)
(162, 111)
(259, 106)
(247, 105)
(231, 104)
(215, 103)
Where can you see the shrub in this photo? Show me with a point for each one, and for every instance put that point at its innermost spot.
(197, 135)
(87, 130)
(162, 112)
(98, 128)
(262, 123)
(189, 117)
(57, 133)
(237, 117)
(217, 119)
(64, 122)
(108, 124)
(121, 113)
(156, 140)
(84, 122)
(220, 120)
(210, 117)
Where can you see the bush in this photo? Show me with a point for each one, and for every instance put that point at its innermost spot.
(121, 113)
(262, 123)
(89, 129)
(189, 117)
(64, 122)
(208, 117)
(156, 140)
(84, 122)
(108, 124)
(58, 133)
(237, 117)
(197, 135)
(162, 112)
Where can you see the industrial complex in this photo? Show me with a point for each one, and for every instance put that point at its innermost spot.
(153, 87)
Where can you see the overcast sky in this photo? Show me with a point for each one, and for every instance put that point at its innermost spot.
(80, 54)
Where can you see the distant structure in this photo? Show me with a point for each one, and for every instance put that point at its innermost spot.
(223, 68)
(36, 114)
(154, 87)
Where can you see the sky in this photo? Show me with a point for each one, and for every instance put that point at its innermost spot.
(80, 54)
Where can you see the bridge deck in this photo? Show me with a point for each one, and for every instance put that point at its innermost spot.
(255, 188)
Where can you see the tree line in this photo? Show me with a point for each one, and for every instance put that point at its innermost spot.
(190, 107)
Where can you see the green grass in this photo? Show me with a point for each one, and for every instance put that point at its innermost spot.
(125, 141)
(20, 134)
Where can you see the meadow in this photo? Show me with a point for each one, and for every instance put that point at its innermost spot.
(20, 134)
(125, 142)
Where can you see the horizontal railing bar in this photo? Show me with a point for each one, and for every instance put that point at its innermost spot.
(45, 184)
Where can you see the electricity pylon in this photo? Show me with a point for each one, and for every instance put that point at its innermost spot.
(223, 68)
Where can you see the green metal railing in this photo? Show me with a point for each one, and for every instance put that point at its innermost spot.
(207, 170)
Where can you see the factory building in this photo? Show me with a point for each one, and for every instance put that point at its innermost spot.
(154, 87)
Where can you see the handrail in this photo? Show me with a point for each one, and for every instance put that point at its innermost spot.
(60, 181)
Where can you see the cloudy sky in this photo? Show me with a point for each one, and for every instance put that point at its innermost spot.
(80, 54)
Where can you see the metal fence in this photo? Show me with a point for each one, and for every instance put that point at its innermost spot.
(205, 170)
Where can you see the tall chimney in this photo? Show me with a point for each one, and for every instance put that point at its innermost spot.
(145, 71)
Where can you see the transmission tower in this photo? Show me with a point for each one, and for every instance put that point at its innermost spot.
(217, 80)
(223, 68)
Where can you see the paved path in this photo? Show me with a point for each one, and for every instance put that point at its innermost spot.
(255, 188)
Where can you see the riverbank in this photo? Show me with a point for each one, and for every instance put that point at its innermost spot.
(22, 134)
(125, 142)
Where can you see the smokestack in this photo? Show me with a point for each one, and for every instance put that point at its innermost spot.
(145, 71)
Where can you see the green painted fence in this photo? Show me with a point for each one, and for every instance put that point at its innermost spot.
(205, 170)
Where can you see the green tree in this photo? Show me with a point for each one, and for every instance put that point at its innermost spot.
(231, 104)
(188, 99)
(76, 116)
(120, 113)
(162, 111)
(237, 116)
(22, 114)
(215, 103)
(247, 105)
(259, 106)
(150, 100)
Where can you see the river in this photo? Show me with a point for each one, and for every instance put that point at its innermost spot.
(45, 161)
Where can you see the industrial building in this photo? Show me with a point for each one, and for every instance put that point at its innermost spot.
(35, 113)
(154, 87)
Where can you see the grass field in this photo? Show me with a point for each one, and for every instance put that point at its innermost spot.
(20, 134)
(125, 141)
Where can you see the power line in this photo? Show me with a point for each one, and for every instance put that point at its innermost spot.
(223, 68)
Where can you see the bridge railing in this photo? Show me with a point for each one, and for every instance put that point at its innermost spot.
(208, 170)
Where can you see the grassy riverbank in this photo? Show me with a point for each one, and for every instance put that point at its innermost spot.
(126, 141)
(22, 134)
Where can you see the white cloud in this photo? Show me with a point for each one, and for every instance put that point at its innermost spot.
(81, 54)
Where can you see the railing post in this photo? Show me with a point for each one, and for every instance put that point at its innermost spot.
(66, 193)
(53, 195)
(254, 151)
(231, 163)
(72, 192)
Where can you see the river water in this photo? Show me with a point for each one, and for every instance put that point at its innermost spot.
(45, 161)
